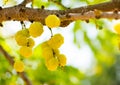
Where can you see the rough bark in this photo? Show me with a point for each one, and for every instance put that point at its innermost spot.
(22, 13)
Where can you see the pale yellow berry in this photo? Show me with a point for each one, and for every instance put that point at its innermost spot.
(26, 51)
(62, 59)
(44, 44)
(52, 21)
(21, 37)
(56, 52)
(30, 42)
(23, 32)
(19, 66)
(52, 64)
(56, 41)
(36, 29)
(47, 53)
(21, 40)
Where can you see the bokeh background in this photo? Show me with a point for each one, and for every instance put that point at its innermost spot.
(92, 49)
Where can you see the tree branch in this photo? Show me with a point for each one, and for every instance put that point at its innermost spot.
(11, 61)
(21, 13)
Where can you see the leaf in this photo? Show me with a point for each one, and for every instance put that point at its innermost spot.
(39, 3)
(91, 2)
(37, 51)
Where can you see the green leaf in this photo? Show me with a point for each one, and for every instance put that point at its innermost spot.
(39, 3)
(37, 51)
(91, 2)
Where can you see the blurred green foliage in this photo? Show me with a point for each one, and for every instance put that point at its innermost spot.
(104, 48)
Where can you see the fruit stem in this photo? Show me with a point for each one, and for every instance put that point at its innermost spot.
(23, 25)
(51, 32)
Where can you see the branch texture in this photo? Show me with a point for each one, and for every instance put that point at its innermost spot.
(22, 13)
(11, 61)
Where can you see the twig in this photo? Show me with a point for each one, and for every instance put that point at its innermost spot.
(11, 61)
(22, 13)
(7, 56)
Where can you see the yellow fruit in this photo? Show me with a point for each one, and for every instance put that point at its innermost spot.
(47, 53)
(26, 51)
(56, 41)
(52, 64)
(19, 66)
(44, 44)
(117, 28)
(52, 21)
(30, 42)
(21, 40)
(56, 52)
(23, 32)
(21, 37)
(62, 59)
(36, 29)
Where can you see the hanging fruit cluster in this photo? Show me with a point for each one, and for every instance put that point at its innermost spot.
(23, 38)
(50, 51)
(50, 48)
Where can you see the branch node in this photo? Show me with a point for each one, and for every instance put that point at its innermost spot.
(116, 11)
(0, 8)
(42, 7)
(22, 10)
(68, 16)
(87, 21)
(97, 13)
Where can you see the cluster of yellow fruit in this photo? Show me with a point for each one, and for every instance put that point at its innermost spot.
(49, 48)
(24, 40)
(50, 51)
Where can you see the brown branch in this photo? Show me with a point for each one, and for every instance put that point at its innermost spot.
(7, 56)
(11, 61)
(91, 15)
(104, 7)
(21, 13)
